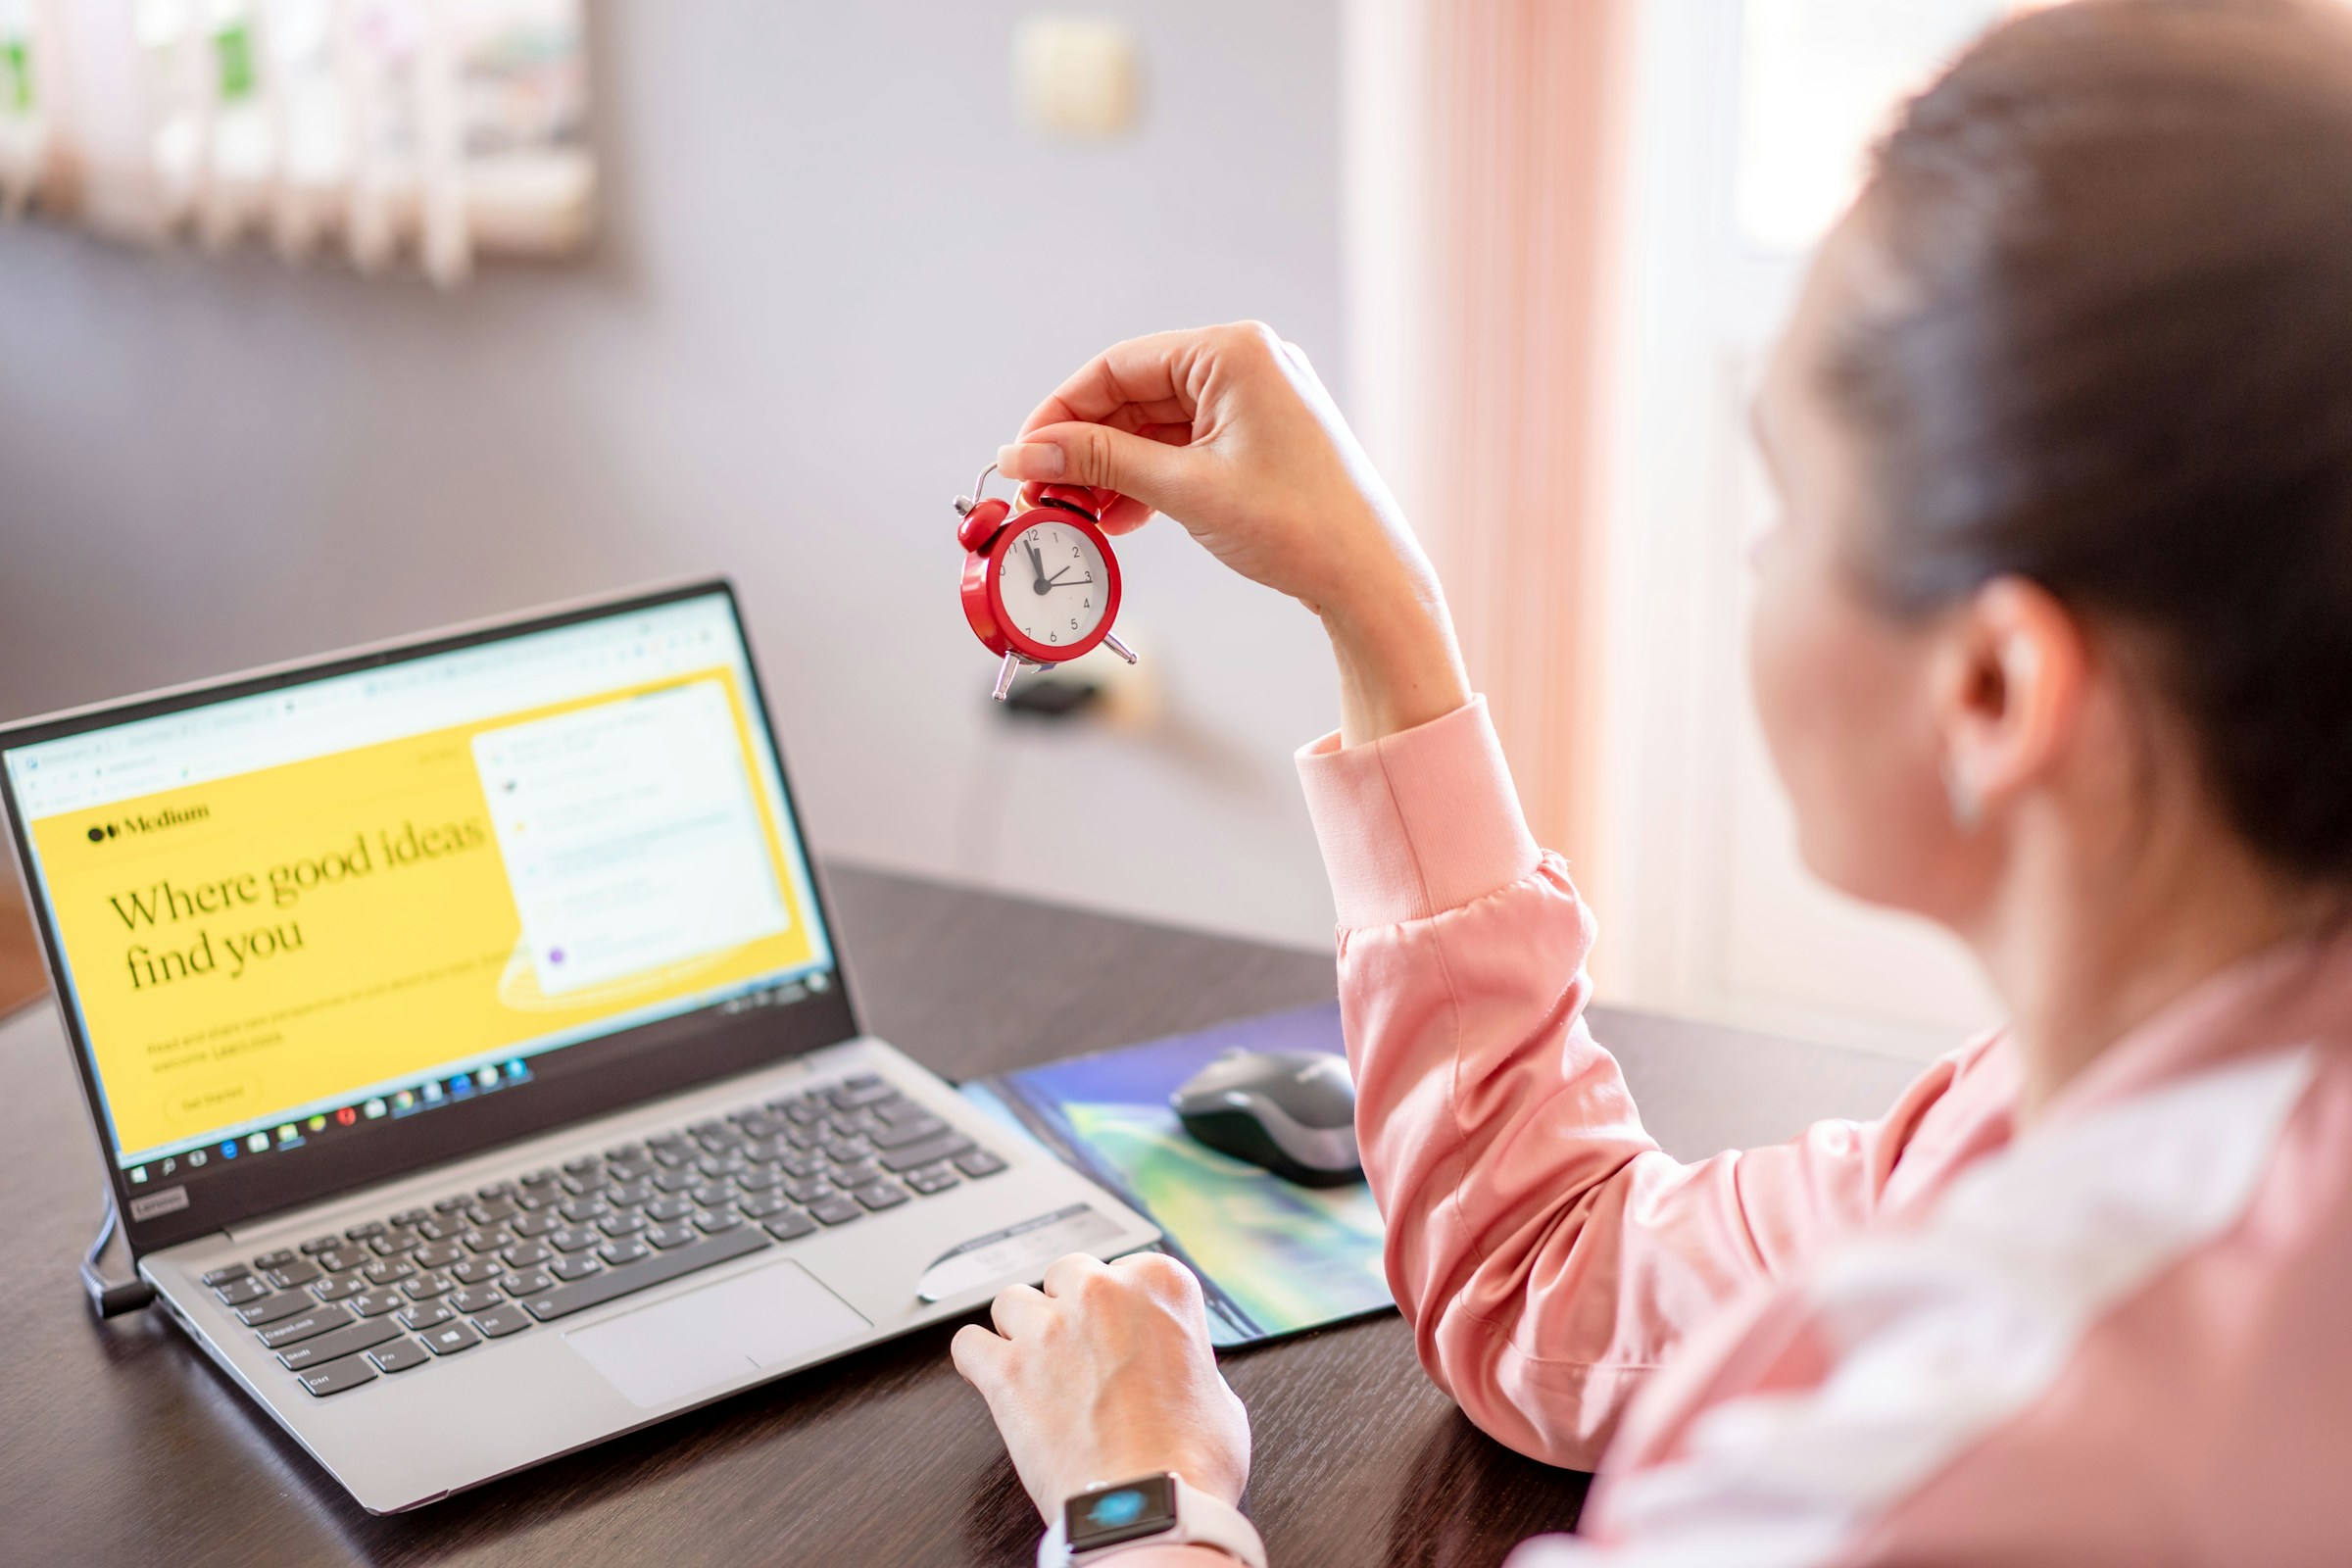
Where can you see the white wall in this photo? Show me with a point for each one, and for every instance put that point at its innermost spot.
(834, 276)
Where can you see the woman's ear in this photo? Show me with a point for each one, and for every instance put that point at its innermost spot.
(2009, 688)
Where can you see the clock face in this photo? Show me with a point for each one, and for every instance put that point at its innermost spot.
(1054, 585)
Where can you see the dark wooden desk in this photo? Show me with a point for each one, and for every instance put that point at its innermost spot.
(122, 1446)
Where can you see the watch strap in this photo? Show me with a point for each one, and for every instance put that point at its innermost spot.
(1200, 1521)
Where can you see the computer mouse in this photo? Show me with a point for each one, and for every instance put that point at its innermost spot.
(1290, 1111)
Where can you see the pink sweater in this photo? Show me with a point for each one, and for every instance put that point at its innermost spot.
(2123, 1337)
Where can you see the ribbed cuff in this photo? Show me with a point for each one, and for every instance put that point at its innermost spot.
(1417, 822)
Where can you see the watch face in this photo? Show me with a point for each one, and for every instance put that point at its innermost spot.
(1054, 585)
(1124, 1512)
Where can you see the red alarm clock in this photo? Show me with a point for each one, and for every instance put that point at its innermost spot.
(1040, 587)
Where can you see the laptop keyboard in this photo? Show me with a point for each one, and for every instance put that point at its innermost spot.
(434, 1281)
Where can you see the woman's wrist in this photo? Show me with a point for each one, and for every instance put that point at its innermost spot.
(1399, 665)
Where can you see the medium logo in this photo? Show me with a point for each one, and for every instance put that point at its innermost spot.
(139, 822)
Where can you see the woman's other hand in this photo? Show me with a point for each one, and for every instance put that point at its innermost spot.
(1106, 1375)
(1228, 432)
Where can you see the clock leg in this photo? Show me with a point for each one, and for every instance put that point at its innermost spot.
(1110, 640)
(1004, 673)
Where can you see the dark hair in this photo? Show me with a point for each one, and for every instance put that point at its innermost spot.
(2118, 361)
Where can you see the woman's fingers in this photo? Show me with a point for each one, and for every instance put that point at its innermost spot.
(1137, 466)
(1016, 1307)
(1067, 1274)
(1153, 372)
(980, 1356)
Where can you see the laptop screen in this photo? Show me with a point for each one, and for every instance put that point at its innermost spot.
(289, 917)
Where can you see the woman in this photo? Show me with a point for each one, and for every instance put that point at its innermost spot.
(2053, 644)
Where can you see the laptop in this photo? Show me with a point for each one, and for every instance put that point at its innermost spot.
(470, 1047)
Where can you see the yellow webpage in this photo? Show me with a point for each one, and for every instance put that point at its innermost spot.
(265, 941)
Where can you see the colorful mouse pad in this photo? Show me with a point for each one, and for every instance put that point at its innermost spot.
(1273, 1257)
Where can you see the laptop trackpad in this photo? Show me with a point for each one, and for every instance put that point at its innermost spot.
(771, 1317)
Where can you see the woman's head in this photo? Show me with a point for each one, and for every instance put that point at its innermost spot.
(2063, 428)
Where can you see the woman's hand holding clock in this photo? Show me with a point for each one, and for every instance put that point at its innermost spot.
(1227, 430)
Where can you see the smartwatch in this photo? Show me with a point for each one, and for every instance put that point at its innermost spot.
(1150, 1511)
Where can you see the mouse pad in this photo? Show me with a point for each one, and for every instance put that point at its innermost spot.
(769, 1317)
(1273, 1257)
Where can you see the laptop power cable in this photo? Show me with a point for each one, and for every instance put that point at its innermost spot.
(111, 1297)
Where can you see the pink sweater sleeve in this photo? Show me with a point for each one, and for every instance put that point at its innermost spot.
(1546, 1252)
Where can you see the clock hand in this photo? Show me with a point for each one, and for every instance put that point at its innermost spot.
(1037, 563)
(1055, 581)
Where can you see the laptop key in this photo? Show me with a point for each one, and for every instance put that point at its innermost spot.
(616, 1282)
(499, 1322)
(662, 1208)
(932, 1179)
(573, 1239)
(400, 1355)
(930, 1152)
(376, 1303)
(478, 1270)
(529, 1281)
(319, 1244)
(716, 1220)
(277, 1260)
(810, 1190)
(337, 1376)
(308, 1326)
(850, 1096)
(394, 1243)
(335, 1287)
(224, 1273)
(411, 1218)
(293, 1276)
(839, 1209)
(627, 1251)
(451, 1338)
(763, 1204)
(536, 1225)
(237, 1292)
(474, 1298)
(275, 1310)
(790, 1225)
(388, 1271)
(573, 1269)
(425, 1286)
(343, 1259)
(424, 1315)
(629, 1224)
(360, 1231)
(437, 1254)
(488, 1239)
(907, 1132)
(881, 1194)
(979, 1163)
(349, 1340)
